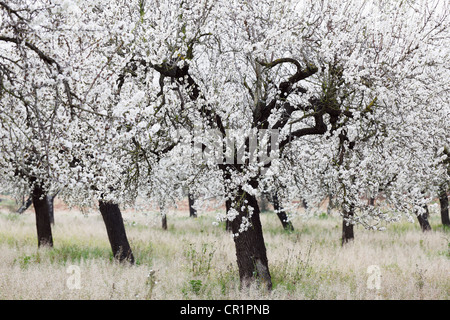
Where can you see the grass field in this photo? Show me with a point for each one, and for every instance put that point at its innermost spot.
(195, 259)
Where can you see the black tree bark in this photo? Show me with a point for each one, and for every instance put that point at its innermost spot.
(287, 225)
(164, 221)
(227, 222)
(250, 248)
(29, 202)
(192, 211)
(115, 229)
(423, 220)
(41, 209)
(443, 200)
(347, 227)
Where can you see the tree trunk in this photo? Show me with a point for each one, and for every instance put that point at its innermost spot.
(164, 221)
(347, 227)
(192, 211)
(443, 200)
(423, 220)
(43, 226)
(228, 222)
(287, 225)
(250, 248)
(25, 205)
(116, 231)
(304, 204)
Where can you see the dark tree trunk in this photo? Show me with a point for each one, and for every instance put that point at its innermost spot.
(443, 200)
(305, 204)
(192, 211)
(227, 222)
(371, 201)
(423, 220)
(116, 231)
(250, 248)
(347, 227)
(164, 221)
(43, 226)
(287, 225)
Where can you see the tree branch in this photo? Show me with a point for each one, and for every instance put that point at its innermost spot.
(11, 11)
(319, 128)
(301, 74)
(47, 59)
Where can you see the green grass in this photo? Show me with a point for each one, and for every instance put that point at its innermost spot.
(63, 255)
(195, 259)
(17, 241)
(75, 253)
(143, 252)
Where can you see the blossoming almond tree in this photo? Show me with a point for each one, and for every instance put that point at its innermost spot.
(50, 101)
(304, 90)
(316, 73)
(387, 148)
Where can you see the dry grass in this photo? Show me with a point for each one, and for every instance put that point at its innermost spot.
(195, 260)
